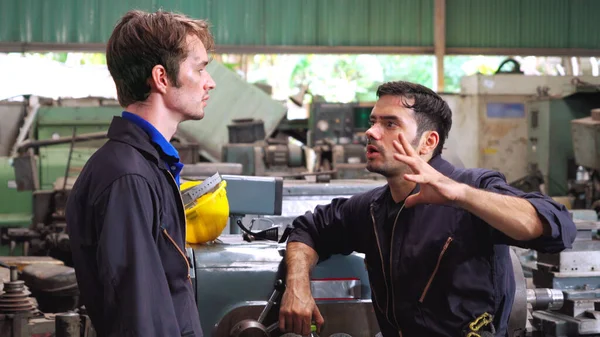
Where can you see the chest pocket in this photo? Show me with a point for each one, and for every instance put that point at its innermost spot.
(428, 250)
(436, 268)
(175, 263)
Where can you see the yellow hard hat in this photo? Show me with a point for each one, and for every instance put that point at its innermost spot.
(207, 218)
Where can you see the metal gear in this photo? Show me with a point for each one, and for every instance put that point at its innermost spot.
(15, 298)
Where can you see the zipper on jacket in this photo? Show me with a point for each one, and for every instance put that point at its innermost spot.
(184, 231)
(376, 301)
(180, 252)
(378, 306)
(437, 266)
(382, 268)
(391, 267)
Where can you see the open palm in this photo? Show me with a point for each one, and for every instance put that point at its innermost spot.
(435, 188)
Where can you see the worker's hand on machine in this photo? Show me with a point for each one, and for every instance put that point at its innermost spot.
(298, 309)
(435, 188)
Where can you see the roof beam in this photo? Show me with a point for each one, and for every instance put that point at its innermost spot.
(580, 52)
(439, 42)
(11, 47)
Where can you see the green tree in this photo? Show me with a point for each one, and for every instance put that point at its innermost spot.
(93, 59)
(413, 68)
(338, 78)
(346, 78)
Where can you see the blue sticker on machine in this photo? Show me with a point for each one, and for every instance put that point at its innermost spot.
(505, 110)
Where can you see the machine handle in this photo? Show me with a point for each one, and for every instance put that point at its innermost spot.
(278, 290)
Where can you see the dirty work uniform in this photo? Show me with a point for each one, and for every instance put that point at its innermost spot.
(432, 268)
(126, 226)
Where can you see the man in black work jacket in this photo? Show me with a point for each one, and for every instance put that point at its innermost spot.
(125, 216)
(435, 237)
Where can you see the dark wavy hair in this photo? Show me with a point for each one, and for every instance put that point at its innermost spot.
(431, 111)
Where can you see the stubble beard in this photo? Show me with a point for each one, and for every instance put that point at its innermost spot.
(391, 167)
(196, 115)
(387, 170)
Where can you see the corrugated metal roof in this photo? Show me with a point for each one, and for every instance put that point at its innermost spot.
(235, 22)
(522, 24)
(318, 25)
(583, 24)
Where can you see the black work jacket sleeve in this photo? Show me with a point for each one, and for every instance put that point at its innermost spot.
(329, 229)
(137, 297)
(562, 229)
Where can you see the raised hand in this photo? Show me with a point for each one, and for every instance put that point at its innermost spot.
(435, 188)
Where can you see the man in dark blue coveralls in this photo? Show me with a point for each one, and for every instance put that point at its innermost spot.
(125, 215)
(435, 237)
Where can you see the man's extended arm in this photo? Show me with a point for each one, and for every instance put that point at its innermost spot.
(521, 219)
(524, 212)
(513, 216)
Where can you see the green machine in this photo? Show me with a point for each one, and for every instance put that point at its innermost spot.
(337, 135)
(60, 138)
(58, 122)
(15, 208)
(338, 123)
(550, 143)
(41, 164)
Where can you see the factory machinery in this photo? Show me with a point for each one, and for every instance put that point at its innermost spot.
(586, 147)
(566, 287)
(240, 277)
(334, 133)
(568, 164)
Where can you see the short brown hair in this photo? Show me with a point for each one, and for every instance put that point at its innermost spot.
(142, 40)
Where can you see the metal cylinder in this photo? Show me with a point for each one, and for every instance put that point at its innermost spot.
(14, 274)
(68, 325)
(545, 298)
(296, 155)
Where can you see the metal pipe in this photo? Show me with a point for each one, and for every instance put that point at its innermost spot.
(545, 298)
(27, 144)
(68, 325)
(595, 68)
(33, 105)
(271, 301)
(575, 66)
